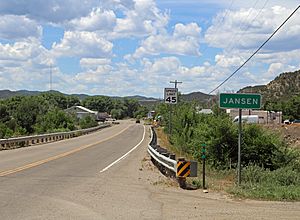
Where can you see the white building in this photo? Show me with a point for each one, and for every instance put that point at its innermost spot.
(82, 112)
(265, 117)
(206, 111)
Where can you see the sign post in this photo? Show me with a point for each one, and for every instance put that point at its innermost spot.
(203, 164)
(240, 101)
(239, 147)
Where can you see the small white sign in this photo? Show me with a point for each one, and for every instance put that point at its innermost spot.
(171, 95)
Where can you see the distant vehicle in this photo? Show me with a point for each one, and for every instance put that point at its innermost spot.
(286, 122)
(249, 119)
(137, 121)
(296, 122)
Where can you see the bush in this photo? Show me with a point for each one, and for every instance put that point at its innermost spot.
(263, 148)
(53, 121)
(87, 122)
(259, 146)
(5, 132)
(280, 184)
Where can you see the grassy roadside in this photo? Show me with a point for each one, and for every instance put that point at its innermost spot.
(216, 180)
(282, 184)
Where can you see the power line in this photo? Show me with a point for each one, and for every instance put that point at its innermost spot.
(221, 21)
(255, 51)
(247, 27)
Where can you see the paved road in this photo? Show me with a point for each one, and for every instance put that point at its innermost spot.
(63, 180)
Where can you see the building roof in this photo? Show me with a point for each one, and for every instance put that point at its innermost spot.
(206, 111)
(84, 109)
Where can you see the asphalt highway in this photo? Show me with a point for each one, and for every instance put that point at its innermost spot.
(59, 180)
(109, 175)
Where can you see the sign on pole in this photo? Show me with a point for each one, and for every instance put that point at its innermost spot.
(171, 95)
(240, 100)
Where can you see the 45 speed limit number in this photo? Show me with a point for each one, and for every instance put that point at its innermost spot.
(171, 95)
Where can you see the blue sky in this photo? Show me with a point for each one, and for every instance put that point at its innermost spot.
(135, 47)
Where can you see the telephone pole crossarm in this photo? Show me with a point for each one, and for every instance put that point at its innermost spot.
(176, 82)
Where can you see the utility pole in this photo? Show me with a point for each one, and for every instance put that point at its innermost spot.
(170, 114)
(239, 147)
(50, 82)
(176, 82)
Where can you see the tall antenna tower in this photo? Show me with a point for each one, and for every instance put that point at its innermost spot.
(50, 79)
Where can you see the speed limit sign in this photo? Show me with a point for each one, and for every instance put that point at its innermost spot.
(171, 95)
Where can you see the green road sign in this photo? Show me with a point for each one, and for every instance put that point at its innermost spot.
(240, 100)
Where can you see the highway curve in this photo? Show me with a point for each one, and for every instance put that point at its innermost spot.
(84, 178)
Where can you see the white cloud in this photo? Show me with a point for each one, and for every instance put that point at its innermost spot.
(94, 76)
(97, 20)
(56, 11)
(248, 28)
(184, 41)
(14, 27)
(228, 60)
(277, 68)
(83, 44)
(142, 20)
(92, 63)
(165, 65)
(24, 65)
(24, 51)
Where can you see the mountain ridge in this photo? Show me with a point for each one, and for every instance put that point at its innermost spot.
(193, 96)
(283, 87)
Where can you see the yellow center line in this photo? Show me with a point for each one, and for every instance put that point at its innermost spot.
(37, 163)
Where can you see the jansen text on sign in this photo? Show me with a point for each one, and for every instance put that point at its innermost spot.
(237, 100)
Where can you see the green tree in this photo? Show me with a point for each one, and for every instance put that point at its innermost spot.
(55, 120)
(141, 112)
(27, 111)
(4, 114)
(291, 108)
(87, 122)
(98, 103)
(56, 99)
(131, 107)
(116, 113)
(5, 132)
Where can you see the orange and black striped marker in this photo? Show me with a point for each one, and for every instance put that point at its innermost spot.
(183, 168)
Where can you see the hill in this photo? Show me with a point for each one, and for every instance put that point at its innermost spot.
(7, 93)
(281, 88)
(196, 96)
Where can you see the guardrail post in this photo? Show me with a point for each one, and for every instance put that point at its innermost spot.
(181, 180)
(173, 156)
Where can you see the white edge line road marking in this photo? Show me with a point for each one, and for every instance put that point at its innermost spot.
(125, 155)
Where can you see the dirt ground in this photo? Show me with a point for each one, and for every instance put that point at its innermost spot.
(291, 133)
(216, 204)
(177, 203)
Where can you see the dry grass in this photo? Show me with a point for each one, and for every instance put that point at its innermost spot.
(162, 138)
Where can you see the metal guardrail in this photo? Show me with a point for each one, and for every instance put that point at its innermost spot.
(25, 141)
(160, 155)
